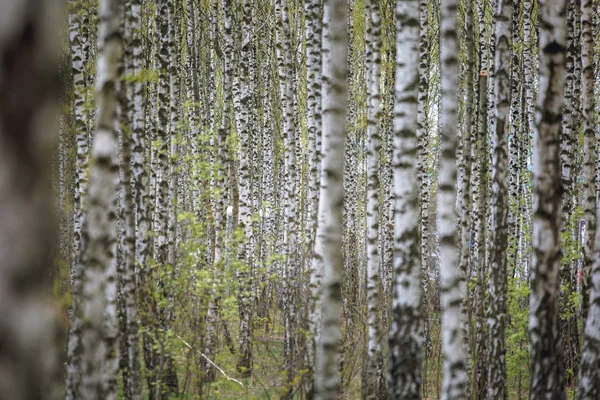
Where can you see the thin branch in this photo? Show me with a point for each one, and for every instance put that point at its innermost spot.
(212, 363)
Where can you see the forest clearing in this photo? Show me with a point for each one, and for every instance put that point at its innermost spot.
(299, 199)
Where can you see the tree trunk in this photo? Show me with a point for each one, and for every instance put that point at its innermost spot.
(589, 378)
(423, 166)
(244, 364)
(568, 150)
(479, 259)
(78, 50)
(100, 332)
(128, 290)
(405, 341)
(590, 120)
(30, 363)
(465, 203)
(454, 365)
(332, 194)
(499, 204)
(546, 371)
(375, 336)
(313, 11)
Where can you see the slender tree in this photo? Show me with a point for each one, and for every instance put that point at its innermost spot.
(590, 118)
(130, 354)
(291, 237)
(465, 202)
(499, 204)
(422, 161)
(100, 332)
(405, 340)
(546, 372)
(569, 334)
(455, 377)
(244, 253)
(141, 183)
(313, 11)
(589, 378)
(373, 373)
(77, 47)
(480, 260)
(331, 193)
(529, 63)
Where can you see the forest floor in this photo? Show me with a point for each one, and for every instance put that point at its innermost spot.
(268, 378)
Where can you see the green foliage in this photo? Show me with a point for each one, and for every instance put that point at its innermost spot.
(143, 76)
(517, 337)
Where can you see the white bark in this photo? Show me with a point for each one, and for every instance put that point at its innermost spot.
(98, 253)
(244, 253)
(313, 11)
(80, 185)
(405, 340)
(455, 377)
(499, 204)
(589, 378)
(30, 364)
(375, 336)
(590, 152)
(546, 373)
(329, 236)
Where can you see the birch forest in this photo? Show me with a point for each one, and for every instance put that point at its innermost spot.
(299, 199)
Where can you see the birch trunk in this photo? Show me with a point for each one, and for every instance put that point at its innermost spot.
(154, 348)
(30, 363)
(568, 150)
(373, 16)
(454, 366)
(313, 12)
(465, 203)
(74, 367)
(244, 365)
(499, 204)
(546, 371)
(589, 378)
(100, 332)
(423, 165)
(528, 63)
(590, 121)
(289, 129)
(126, 269)
(329, 238)
(405, 341)
(480, 260)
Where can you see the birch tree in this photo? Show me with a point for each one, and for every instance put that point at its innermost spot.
(130, 364)
(589, 378)
(244, 253)
(423, 164)
(455, 377)
(405, 341)
(334, 90)
(29, 358)
(98, 253)
(465, 201)
(154, 351)
(590, 120)
(313, 12)
(479, 259)
(373, 16)
(499, 204)
(79, 87)
(546, 372)
(289, 274)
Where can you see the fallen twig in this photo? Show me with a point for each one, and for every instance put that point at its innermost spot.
(212, 363)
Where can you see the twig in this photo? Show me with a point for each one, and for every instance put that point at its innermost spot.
(212, 363)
